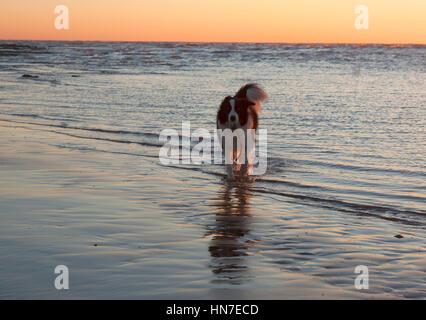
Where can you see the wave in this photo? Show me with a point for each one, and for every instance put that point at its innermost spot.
(66, 126)
(360, 168)
(102, 151)
(361, 207)
(148, 144)
(373, 210)
(16, 49)
(305, 162)
(266, 185)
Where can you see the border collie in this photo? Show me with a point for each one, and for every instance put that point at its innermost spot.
(240, 112)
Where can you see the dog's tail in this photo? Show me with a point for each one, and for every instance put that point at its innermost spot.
(254, 93)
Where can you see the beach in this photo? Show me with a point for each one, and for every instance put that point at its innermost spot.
(82, 184)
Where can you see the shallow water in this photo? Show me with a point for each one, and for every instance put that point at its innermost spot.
(82, 184)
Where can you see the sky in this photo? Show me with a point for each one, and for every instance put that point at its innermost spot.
(290, 21)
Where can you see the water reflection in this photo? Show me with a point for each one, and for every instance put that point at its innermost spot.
(229, 246)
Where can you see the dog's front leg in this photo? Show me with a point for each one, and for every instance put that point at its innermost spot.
(229, 163)
(230, 171)
(251, 149)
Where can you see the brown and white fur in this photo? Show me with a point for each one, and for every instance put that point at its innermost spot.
(241, 112)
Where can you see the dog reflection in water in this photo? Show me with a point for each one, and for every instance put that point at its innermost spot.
(229, 244)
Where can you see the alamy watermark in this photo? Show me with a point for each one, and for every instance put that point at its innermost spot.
(361, 21)
(62, 280)
(62, 20)
(361, 281)
(232, 147)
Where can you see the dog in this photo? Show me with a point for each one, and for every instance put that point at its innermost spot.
(240, 112)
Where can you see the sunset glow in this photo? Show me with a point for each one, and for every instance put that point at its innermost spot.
(327, 21)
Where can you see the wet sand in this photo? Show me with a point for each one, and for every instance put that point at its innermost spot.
(129, 228)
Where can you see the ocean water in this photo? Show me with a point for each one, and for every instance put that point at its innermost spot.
(82, 185)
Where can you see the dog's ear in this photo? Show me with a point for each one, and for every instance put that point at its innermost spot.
(249, 103)
(225, 107)
(253, 106)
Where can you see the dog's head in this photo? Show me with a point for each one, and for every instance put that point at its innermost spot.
(234, 112)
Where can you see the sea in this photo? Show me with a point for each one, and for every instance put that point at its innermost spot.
(82, 185)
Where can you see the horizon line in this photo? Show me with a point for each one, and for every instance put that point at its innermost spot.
(243, 42)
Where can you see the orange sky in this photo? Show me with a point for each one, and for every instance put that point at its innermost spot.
(329, 21)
